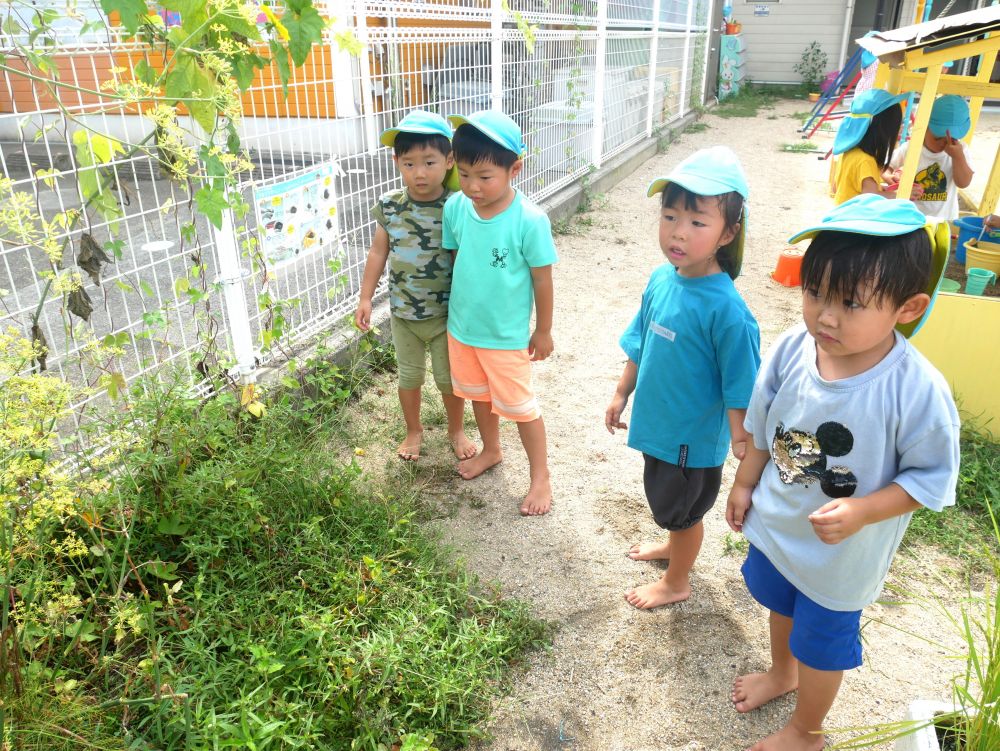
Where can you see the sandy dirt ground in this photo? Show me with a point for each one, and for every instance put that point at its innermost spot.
(617, 678)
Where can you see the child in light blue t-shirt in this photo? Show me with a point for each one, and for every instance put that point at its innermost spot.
(693, 351)
(503, 266)
(850, 431)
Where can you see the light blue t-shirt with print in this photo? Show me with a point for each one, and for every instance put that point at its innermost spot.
(491, 288)
(697, 348)
(894, 423)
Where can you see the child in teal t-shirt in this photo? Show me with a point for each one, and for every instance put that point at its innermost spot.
(503, 266)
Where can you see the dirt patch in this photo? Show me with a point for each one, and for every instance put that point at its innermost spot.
(617, 678)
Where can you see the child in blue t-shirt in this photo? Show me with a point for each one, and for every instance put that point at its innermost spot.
(503, 267)
(850, 431)
(693, 351)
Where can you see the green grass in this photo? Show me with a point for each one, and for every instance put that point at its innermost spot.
(800, 147)
(966, 530)
(696, 127)
(281, 600)
(747, 103)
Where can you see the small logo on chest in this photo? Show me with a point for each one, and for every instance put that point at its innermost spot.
(499, 258)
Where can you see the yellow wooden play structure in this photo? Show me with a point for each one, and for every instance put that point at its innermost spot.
(962, 335)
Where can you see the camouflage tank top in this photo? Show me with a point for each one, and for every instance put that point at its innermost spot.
(419, 269)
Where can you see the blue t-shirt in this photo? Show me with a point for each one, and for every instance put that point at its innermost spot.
(894, 423)
(698, 349)
(491, 287)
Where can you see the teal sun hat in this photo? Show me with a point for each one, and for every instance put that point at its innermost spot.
(865, 106)
(712, 172)
(423, 123)
(950, 115)
(871, 214)
(495, 125)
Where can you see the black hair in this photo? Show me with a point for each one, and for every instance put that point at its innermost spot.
(472, 146)
(406, 141)
(730, 206)
(883, 132)
(897, 268)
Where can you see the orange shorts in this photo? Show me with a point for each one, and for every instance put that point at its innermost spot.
(499, 376)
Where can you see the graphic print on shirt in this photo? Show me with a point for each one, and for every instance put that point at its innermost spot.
(499, 258)
(934, 182)
(800, 457)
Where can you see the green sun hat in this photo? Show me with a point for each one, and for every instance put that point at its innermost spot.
(495, 125)
(865, 106)
(712, 172)
(874, 215)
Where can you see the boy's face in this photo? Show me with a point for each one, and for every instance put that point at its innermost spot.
(935, 143)
(423, 169)
(690, 238)
(488, 185)
(857, 330)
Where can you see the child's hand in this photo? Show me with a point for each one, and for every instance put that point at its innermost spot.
(837, 520)
(540, 345)
(739, 448)
(737, 506)
(363, 315)
(916, 192)
(613, 414)
(952, 147)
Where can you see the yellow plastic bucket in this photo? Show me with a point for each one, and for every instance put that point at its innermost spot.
(982, 256)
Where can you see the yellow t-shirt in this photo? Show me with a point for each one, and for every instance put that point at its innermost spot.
(853, 167)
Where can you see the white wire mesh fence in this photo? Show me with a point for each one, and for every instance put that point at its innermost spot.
(586, 81)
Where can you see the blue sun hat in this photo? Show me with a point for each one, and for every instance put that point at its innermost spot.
(712, 172)
(950, 115)
(495, 125)
(423, 123)
(871, 214)
(865, 106)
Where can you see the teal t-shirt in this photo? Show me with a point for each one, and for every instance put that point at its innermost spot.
(697, 347)
(491, 288)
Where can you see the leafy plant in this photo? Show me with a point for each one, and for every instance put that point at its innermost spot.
(812, 66)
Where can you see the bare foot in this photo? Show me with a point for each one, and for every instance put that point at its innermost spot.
(757, 689)
(791, 739)
(462, 446)
(650, 596)
(538, 501)
(409, 449)
(469, 468)
(650, 551)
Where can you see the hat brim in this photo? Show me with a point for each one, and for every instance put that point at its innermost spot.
(940, 237)
(457, 120)
(699, 184)
(957, 133)
(388, 137)
(853, 129)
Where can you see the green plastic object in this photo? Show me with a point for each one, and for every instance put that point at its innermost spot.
(977, 279)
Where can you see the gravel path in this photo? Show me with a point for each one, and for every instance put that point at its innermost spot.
(619, 678)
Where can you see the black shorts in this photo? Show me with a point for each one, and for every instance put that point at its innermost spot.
(679, 496)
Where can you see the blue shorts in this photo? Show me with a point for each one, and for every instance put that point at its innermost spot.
(821, 638)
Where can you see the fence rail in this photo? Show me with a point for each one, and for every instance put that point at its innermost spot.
(600, 77)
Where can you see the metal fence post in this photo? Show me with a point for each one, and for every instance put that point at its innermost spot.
(654, 48)
(708, 48)
(496, 55)
(597, 148)
(686, 75)
(364, 60)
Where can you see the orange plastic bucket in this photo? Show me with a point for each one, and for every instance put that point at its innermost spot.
(788, 272)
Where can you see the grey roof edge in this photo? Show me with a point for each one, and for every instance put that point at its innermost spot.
(970, 23)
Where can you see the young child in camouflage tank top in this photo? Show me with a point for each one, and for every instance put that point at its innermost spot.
(408, 238)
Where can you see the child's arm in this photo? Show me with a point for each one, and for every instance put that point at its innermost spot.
(961, 170)
(626, 385)
(540, 345)
(378, 254)
(869, 185)
(738, 434)
(747, 476)
(842, 517)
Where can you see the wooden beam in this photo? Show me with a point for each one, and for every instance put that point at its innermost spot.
(920, 58)
(949, 84)
(992, 192)
(931, 79)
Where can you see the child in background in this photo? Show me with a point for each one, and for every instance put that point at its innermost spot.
(693, 351)
(944, 160)
(408, 237)
(503, 266)
(864, 144)
(851, 430)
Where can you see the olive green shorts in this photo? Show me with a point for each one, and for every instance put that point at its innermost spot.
(412, 339)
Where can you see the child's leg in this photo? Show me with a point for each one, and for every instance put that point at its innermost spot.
(454, 406)
(489, 433)
(756, 689)
(817, 690)
(675, 584)
(411, 361)
(538, 501)
(470, 382)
